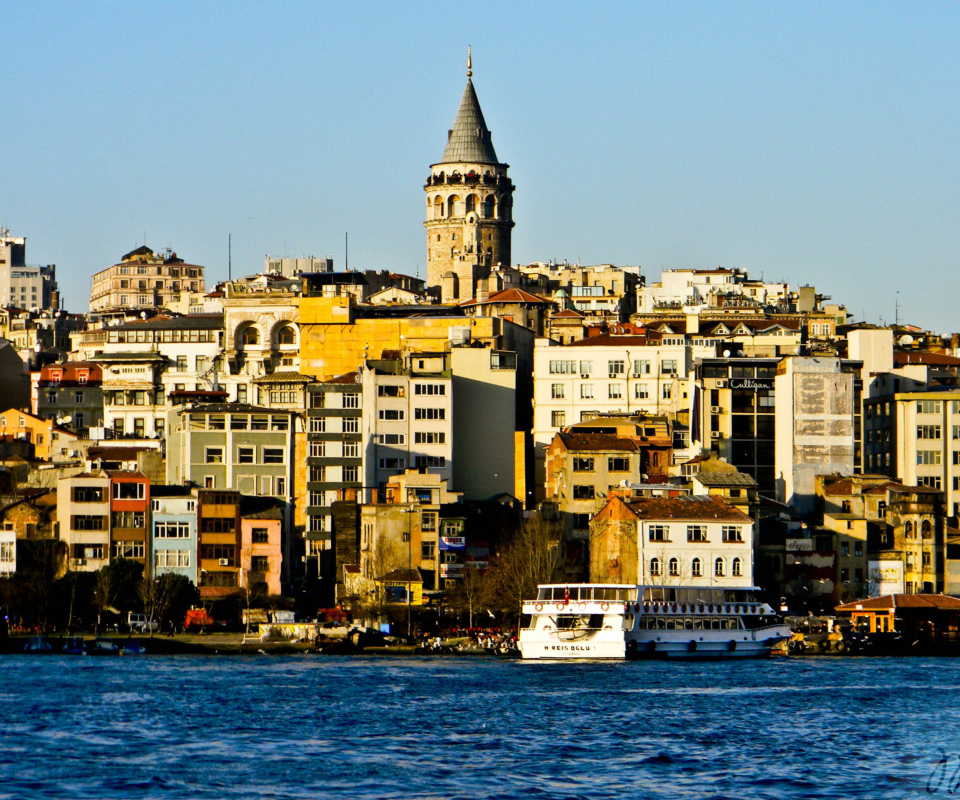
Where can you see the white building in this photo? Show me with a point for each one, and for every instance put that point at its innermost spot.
(8, 551)
(23, 285)
(407, 419)
(608, 374)
(692, 290)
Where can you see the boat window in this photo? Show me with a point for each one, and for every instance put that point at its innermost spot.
(688, 624)
(661, 624)
(671, 625)
(698, 624)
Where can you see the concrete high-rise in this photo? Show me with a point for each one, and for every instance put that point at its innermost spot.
(469, 215)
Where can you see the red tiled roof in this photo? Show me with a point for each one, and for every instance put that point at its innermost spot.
(606, 340)
(681, 508)
(894, 601)
(597, 441)
(567, 312)
(922, 357)
(509, 296)
(350, 377)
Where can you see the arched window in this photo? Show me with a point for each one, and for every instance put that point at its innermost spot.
(437, 207)
(882, 509)
(718, 568)
(251, 336)
(655, 567)
(287, 335)
(471, 203)
(696, 568)
(454, 206)
(674, 567)
(489, 206)
(736, 568)
(908, 529)
(926, 529)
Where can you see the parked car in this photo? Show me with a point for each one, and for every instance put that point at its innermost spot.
(140, 623)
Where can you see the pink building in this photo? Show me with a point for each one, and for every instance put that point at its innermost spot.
(261, 535)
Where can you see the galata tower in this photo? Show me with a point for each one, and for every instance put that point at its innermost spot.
(469, 205)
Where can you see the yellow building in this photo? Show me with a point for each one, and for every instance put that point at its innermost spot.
(49, 441)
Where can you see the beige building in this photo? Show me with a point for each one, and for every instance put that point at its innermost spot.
(469, 205)
(144, 279)
(83, 511)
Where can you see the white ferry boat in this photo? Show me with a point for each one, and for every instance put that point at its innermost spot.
(613, 621)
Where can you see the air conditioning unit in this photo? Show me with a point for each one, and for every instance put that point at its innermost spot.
(637, 375)
(81, 562)
(714, 409)
(714, 434)
(584, 374)
(721, 384)
(224, 562)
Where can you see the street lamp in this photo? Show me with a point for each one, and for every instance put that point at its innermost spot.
(410, 512)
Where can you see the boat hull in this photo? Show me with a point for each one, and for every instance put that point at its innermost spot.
(554, 650)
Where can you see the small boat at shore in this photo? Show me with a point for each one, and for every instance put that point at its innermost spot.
(74, 646)
(614, 621)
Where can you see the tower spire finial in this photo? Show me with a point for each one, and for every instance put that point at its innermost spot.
(469, 63)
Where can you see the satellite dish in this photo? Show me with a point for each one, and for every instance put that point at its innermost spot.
(726, 354)
(908, 339)
(37, 348)
(67, 419)
(59, 420)
(143, 315)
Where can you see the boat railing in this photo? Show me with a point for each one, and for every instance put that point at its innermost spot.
(574, 606)
(658, 607)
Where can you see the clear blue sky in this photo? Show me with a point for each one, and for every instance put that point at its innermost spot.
(817, 142)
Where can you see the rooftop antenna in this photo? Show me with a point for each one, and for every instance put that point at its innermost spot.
(346, 251)
(229, 256)
(896, 306)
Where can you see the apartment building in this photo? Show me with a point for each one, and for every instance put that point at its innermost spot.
(609, 374)
(23, 285)
(83, 511)
(218, 526)
(129, 517)
(70, 394)
(144, 279)
(694, 541)
(50, 441)
(173, 524)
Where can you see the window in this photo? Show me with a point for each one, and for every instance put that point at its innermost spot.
(928, 406)
(213, 455)
(259, 564)
(659, 533)
(557, 393)
(641, 367)
(667, 391)
(430, 461)
(586, 367)
(351, 450)
(618, 464)
(216, 422)
(674, 567)
(391, 414)
(250, 336)
(392, 438)
(655, 567)
(614, 391)
(129, 491)
(318, 425)
(246, 455)
(719, 569)
(272, 455)
(930, 457)
(586, 391)
(391, 391)
(287, 335)
(563, 367)
(928, 431)
(392, 463)
(583, 492)
(732, 533)
(930, 481)
(668, 367)
(558, 418)
(318, 449)
(172, 558)
(171, 530)
(615, 368)
(858, 548)
(351, 425)
(641, 391)
(428, 521)
(438, 389)
(350, 474)
(78, 397)
(87, 494)
(737, 568)
(84, 522)
(696, 533)
(318, 400)
(696, 568)
(133, 549)
(429, 413)
(429, 437)
(428, 551)
(219, 552)
(318, 474)
(582, 464)
(351, 400)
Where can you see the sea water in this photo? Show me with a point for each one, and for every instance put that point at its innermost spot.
(315, 727)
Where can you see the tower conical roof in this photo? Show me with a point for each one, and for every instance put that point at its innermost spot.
(468, 139)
